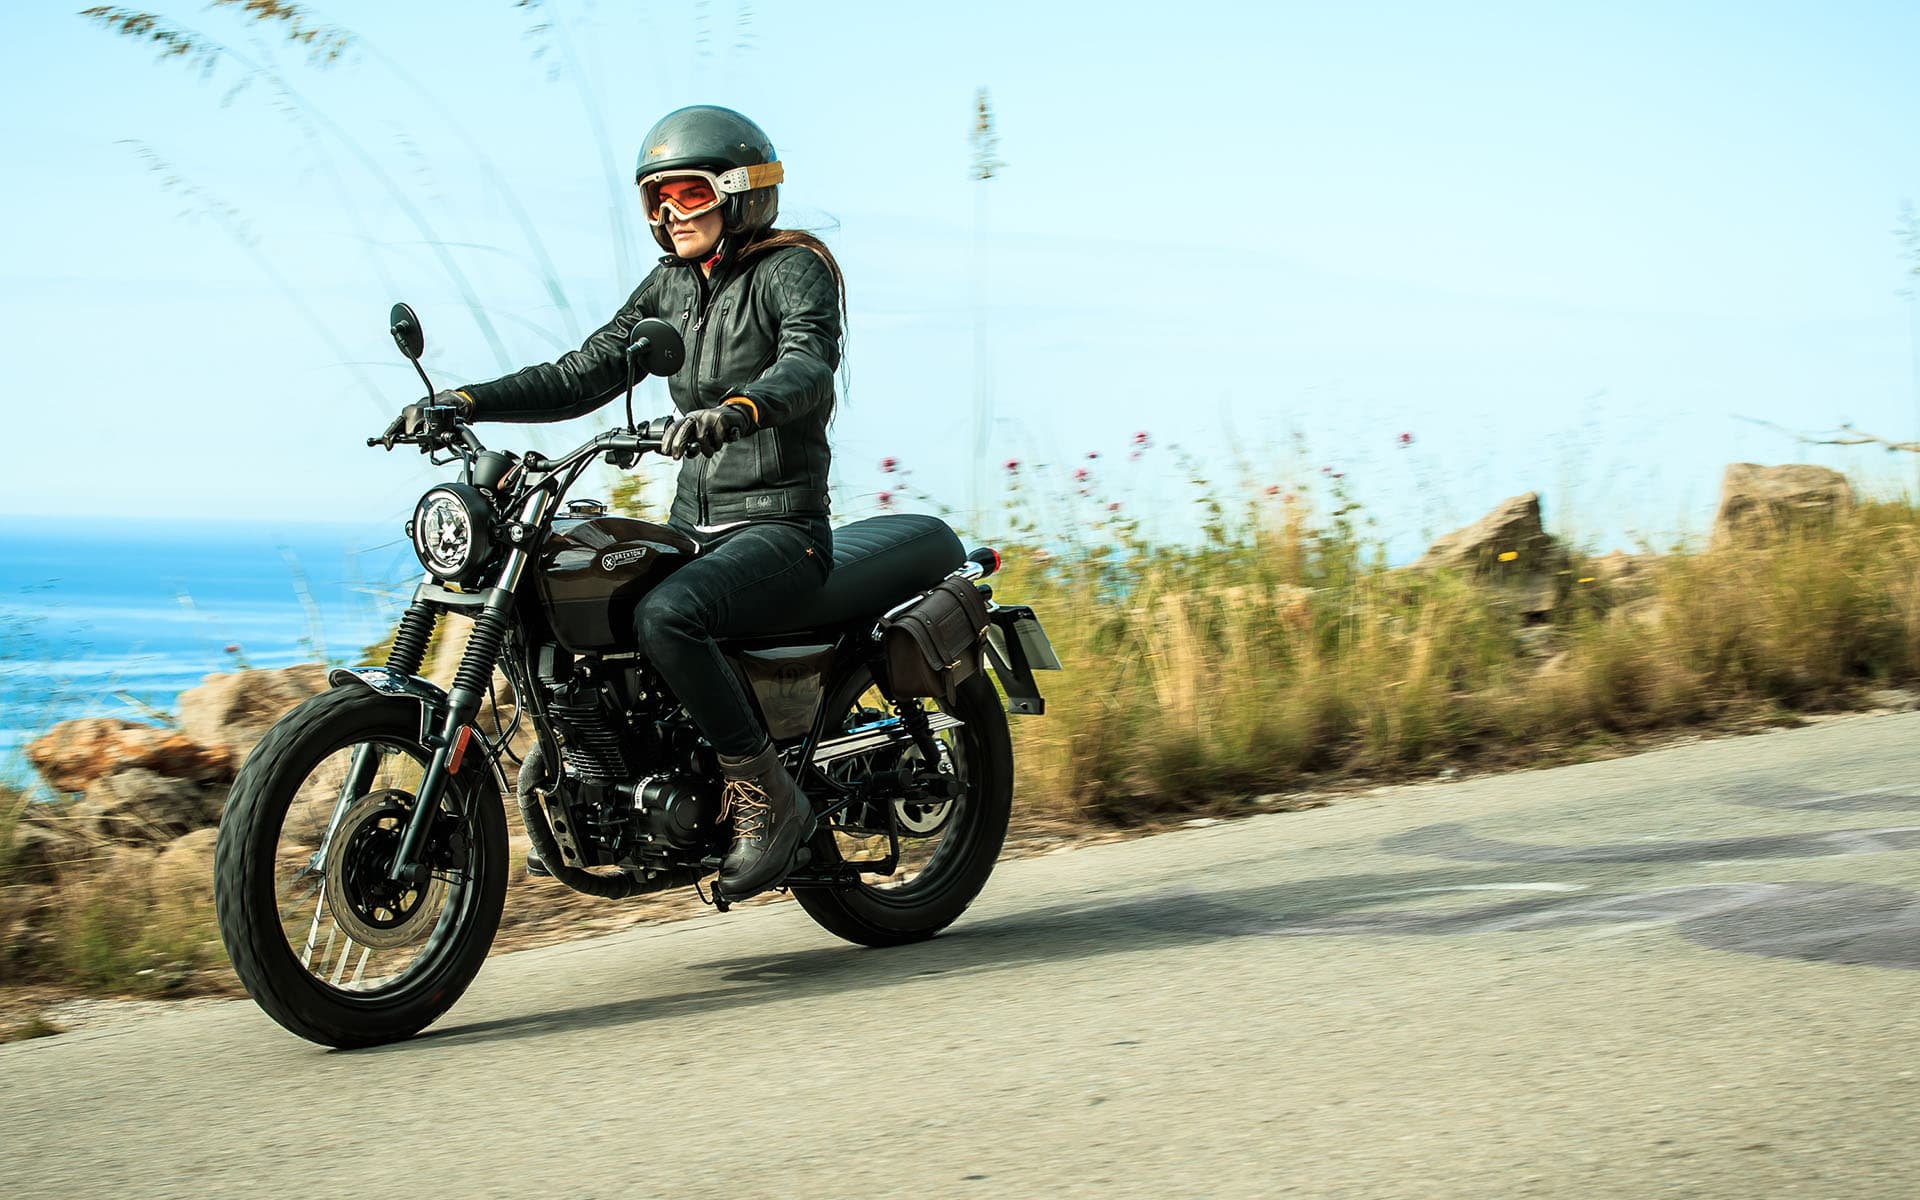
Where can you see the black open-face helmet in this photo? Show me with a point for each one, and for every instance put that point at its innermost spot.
(715, 147)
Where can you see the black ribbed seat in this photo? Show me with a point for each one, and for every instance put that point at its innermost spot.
(877, 563)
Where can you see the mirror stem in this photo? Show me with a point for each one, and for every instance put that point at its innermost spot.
(633, 354)
(422, 373)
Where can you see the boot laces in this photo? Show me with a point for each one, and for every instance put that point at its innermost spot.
(749, 805)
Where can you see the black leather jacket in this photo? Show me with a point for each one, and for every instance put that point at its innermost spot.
(768, 330)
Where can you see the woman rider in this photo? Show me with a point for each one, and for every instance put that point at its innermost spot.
(761, 313)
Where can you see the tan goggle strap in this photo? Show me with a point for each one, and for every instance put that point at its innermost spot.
(744, 179)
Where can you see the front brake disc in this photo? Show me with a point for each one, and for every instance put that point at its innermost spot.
(370, 908)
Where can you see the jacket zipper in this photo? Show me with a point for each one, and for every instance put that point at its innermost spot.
(708, 293)
(701, 299)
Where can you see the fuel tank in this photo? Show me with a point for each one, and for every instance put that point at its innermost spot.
(594, 570)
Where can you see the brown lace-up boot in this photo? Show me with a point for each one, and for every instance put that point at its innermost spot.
(771, 818)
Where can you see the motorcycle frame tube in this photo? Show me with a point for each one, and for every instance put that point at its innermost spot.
(463, 703)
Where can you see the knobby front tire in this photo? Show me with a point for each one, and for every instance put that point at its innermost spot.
(282, 906)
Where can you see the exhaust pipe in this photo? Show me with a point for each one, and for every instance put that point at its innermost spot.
(887, 732)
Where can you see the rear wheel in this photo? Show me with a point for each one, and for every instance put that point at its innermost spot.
(947, 848)
(322, 939)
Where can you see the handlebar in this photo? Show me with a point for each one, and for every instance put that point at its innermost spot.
(612, 443)
(445, 428)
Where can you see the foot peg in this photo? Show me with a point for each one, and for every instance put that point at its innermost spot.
(801, 858)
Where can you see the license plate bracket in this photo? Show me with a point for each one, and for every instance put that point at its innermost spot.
(1017, 646)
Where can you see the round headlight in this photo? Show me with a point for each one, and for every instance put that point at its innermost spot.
(450, 531)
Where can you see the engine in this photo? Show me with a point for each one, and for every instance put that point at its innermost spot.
(638, 784)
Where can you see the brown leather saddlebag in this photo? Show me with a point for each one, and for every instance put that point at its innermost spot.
(932, 646)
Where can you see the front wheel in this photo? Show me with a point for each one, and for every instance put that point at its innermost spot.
(323, 941)
(946, 850)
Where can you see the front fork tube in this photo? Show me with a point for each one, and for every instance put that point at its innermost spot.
(366, 760)
(470, 687)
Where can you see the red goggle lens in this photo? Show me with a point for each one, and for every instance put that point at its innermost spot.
(688, 197)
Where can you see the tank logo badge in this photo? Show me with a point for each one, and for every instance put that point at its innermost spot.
(620, 558)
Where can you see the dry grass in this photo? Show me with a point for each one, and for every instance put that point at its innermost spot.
(1291, 653)
(96, 919)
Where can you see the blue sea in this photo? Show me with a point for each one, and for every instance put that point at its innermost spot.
(116, 617)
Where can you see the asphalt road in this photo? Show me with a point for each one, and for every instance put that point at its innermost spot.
(1688, 973)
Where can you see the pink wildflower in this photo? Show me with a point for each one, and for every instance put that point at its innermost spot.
(1140, 439)
(888, 463)
(1405, 439)
(1273, 489)
(1080, 474)
(886, 499)
(1013, 464)
(1093, 454)
(1113, 506)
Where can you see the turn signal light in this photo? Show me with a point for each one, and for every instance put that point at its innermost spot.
(987, 558)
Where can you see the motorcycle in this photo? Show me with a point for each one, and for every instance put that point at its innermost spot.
(361, 869)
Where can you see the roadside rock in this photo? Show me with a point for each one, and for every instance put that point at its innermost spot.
(140, 808)
(128, 870)
(231, 712)
(1508, 548)
(1623, 570)
(184, 869)
(42, 846)
(1758, 503)
(73, 754)
(1897, 699)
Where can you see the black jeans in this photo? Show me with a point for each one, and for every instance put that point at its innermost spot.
(742, 580)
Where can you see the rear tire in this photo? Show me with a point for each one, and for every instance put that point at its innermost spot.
(260, 869)
(880, 915)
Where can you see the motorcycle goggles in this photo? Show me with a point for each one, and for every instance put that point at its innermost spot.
(690, 192)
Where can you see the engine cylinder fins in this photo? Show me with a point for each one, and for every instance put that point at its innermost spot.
(591, 748)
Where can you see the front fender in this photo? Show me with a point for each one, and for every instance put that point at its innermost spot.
(388, 682)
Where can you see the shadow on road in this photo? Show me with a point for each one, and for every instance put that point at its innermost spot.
(1811, 921)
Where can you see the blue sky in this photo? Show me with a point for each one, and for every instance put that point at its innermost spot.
(1566, 246)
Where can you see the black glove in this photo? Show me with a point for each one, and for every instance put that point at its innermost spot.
(705, 431)
(413, 418)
